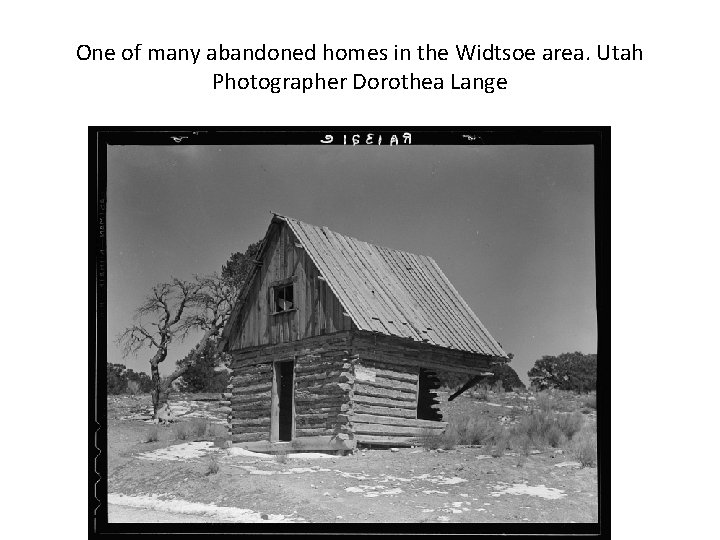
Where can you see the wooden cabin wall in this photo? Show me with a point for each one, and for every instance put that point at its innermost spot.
(250, 402)
(318, 310)
(323, 378)
(384, 408)
(323, 383)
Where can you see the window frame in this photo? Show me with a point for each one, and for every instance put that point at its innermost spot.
(275, 287)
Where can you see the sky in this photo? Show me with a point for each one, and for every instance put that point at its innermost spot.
(511, 226)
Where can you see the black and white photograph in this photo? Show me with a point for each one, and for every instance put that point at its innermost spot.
(354, 327)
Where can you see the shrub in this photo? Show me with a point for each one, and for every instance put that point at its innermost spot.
(544, 402)
(482, 393)
(432, 440)
(590, 401)
(498, 387)
(198, 427)
(500, 444)
(213, 466)
(182, 431)
(523, 443)
(554, 436)
(570, 424)
(153, 435)
(584, 448)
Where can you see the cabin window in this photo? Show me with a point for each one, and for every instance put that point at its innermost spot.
(427, 400)
(283, 299)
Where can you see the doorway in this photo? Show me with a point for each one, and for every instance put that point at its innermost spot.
(282, 423)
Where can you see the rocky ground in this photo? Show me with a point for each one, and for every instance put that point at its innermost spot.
(172, 480)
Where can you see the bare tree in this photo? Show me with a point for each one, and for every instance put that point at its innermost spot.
(170, 313)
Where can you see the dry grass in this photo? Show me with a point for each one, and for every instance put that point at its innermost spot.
(213, 466)
(152, 435)
(570, 424)
(182, 431)
(590, 402)
(584, 448)
(198, 427)
(281, 457)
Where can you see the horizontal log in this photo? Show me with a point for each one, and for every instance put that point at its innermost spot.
(321, 387)
(257, 413)
(384, 402)
(250, 398)
(252, 388)
(227, 395)
(303, 444)
(384, 411)
(311, 432)
(225, 403)
(340, 407)
(224, 410)
(391, 384)
(260, 370)
(394, 421)
(305, 365)
(246, 437)
(368, 390)
(321, 400)
(386, 441)
(384, 370)
(332, 376)
(250, 405)
(382, 429)
(246, 422)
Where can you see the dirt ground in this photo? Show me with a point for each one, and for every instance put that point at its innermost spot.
(169, 481)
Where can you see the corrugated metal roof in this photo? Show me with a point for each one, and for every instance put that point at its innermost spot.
(394, 292)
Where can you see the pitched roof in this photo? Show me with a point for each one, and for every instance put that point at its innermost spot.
(393, 292)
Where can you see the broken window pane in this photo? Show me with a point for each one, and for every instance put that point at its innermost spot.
(283, 298)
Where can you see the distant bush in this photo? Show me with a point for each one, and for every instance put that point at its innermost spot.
(568, 371)
(204, 372)
(121, 380)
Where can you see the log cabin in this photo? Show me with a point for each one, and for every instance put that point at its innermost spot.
(337, 343)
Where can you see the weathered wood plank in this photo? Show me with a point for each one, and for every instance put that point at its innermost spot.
(251, 398)
(384, 411)
(244, 437)
(252, 389)
(304, 444)
(260, 404)
(332, 376)
(395, 421)
(387, 441)
(382, 429)
(253, 413)
(306, 367)
(367, 390)
(383, 401)
(313, 432)
(390, 384)
(385, 370)
(247, 422)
